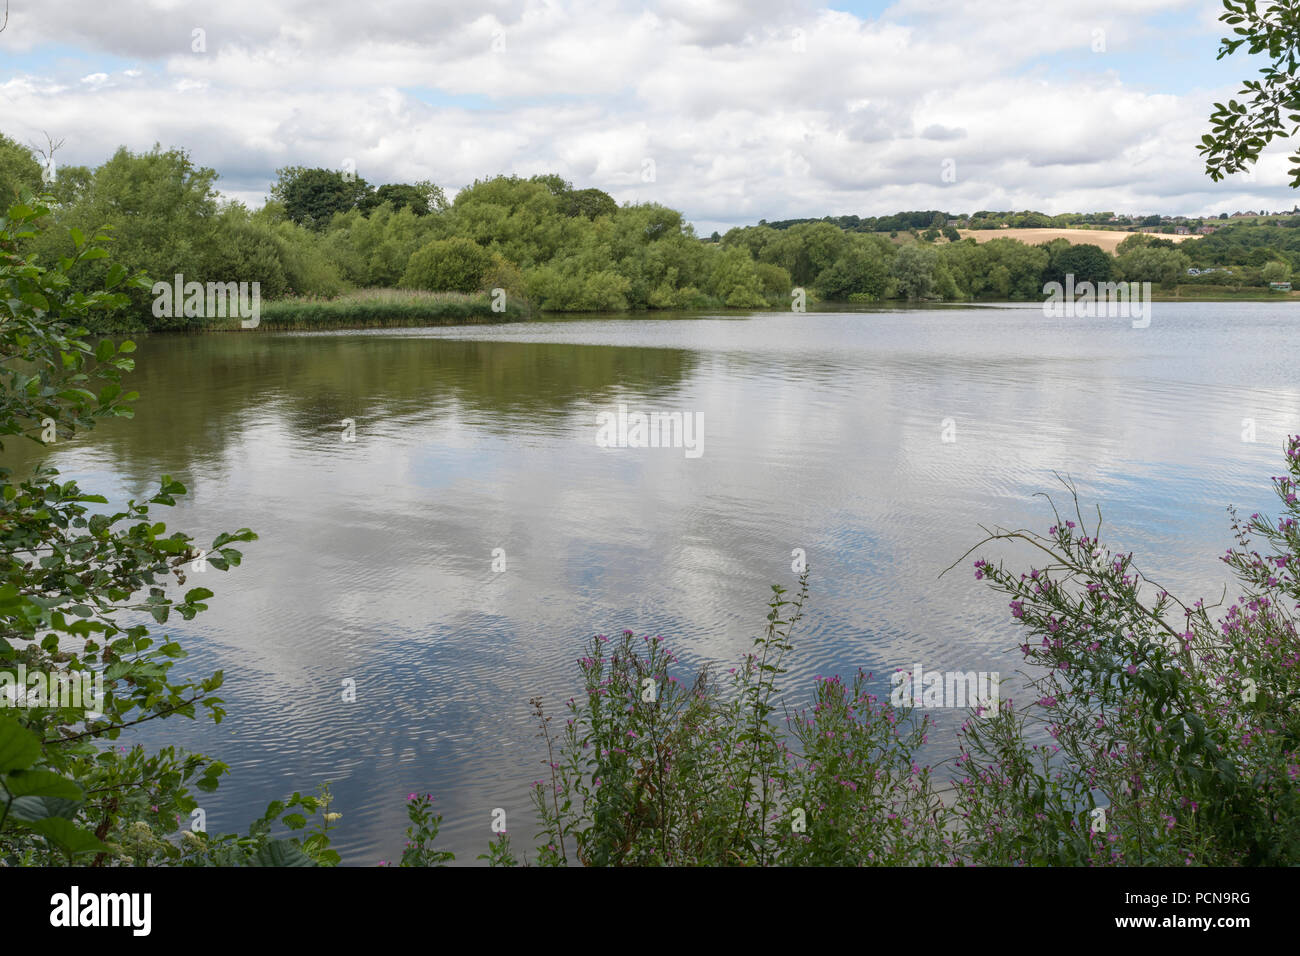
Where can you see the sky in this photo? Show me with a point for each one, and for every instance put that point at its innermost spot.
(730, 110)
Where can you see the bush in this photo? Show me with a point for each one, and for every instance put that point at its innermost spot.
(1180, 730)
(448, 265)
(775, 281)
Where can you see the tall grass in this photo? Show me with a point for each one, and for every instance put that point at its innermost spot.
(381, 308)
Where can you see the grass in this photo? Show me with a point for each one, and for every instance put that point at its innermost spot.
(1212, 293)
(380, 308)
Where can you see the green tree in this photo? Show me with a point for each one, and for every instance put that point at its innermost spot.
(756, 239)
(306, 267)
(1149, 263)
(1276, 271)
(1012, 270)
(448, 265)
(246, 251)
(775, 280)
(861, 270)
(519, 218)
(805, 250)
(945, 286)
(589, 203)
(605, 291)
(72, 185)
(311, 197)
(162, 210)
(1240, 131)
(555, 184)
(421, 198)
(1086, 262)
(736, 281)
(19, 170)
(913, 269)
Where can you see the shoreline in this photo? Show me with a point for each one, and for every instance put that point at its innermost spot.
(344, 324)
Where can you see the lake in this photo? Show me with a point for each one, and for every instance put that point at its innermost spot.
(473, 446)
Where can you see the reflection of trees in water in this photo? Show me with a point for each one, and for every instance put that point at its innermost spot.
(196, 392)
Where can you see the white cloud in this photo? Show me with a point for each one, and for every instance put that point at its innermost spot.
(768, 110)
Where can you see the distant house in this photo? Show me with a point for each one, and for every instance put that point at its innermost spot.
(1206, 230)
(1280, 286)
(1181, 231)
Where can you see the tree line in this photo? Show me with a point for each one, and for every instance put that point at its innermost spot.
(558, 248)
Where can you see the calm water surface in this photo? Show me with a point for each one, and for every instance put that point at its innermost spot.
(821, 432)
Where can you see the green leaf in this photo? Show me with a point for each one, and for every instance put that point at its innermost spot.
(26, 809)
(41, 783)
(67, 835)
(282, 853)
(19, 747)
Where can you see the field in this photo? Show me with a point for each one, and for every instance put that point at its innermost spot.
(1108, 239)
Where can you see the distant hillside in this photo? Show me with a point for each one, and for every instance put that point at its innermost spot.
(1108, 239)
(984, 219)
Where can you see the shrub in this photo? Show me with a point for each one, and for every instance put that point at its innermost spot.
(448, 265)
(1163, 737)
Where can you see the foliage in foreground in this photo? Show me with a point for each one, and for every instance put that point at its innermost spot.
(1154, 735)
(1240, 131)
(77, 576)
